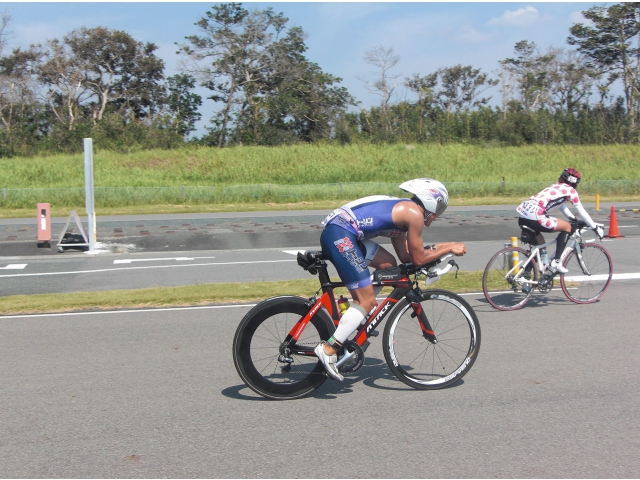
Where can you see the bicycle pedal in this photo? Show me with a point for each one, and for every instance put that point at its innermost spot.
(375, 333)
(365, 345)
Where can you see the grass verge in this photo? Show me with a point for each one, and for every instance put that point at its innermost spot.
(192, 295)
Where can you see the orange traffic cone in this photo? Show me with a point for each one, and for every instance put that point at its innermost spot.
(613, 225)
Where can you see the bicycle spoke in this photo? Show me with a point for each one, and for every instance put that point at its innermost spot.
(425, 365)
(506, 294)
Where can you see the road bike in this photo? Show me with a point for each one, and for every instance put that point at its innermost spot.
(430, 341)
(514, 273)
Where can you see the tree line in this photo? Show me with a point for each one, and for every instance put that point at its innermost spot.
(103, 83)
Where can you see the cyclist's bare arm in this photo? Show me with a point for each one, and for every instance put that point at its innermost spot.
(410, 247)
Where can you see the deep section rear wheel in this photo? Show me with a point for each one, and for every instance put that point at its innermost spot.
(500, 280)
(257, 348)
(587, 287)
(425, 365)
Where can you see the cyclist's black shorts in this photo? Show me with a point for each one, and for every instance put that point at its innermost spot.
(534, 225)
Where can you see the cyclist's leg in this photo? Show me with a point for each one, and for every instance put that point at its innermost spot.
(376, 256)
(536, 226)
(341, 247)
(564, 228)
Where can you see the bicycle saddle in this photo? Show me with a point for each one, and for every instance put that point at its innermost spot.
(528, 235)
(308, 260)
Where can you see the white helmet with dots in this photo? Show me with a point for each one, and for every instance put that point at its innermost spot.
(430, 193)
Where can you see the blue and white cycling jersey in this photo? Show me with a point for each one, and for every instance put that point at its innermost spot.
(345, 238)
(367, 217)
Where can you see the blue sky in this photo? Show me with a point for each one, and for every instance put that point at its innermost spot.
(426, 35)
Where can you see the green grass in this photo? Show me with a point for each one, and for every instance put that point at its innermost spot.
(318, 164)
(304, 176)
(204, 294)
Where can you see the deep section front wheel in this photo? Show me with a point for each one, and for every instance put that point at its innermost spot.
(587, 286)
(260, 341)
(417, 361)
(500, 282)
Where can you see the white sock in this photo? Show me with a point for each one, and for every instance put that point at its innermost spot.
(349, 322)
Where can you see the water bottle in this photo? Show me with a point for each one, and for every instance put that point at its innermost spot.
(343, 304)
(544, 258)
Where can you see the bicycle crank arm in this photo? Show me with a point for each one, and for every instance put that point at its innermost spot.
(346, 357)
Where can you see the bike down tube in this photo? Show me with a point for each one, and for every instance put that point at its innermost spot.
(374, 319)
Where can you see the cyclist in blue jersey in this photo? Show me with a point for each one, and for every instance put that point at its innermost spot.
(346, 242)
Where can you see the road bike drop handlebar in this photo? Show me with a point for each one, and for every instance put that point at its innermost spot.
(582, 227)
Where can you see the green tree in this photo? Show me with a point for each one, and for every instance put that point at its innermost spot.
(229, 54)
(300, 101)
(530, 69)
(424, 88)
(611, 44)
(461, 86)
(92, 69)
(183, 104)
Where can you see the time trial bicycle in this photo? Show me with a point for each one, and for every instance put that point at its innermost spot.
(514, 273)
(431, 338)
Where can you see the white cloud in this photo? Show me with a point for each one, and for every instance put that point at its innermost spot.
(522, 16)
(469, 34)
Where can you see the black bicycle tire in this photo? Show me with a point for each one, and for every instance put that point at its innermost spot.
(445, 346)
(585, 253)
(244, 363)
(492, 299)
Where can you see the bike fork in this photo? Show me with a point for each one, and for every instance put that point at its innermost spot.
(418, 311)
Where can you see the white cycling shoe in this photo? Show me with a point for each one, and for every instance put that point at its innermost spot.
(329, 361)
(556, 266)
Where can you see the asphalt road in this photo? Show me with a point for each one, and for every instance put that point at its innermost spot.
(167, 250)
(151, 394)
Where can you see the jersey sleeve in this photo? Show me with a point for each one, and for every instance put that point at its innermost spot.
(567, 213)
(584, 215)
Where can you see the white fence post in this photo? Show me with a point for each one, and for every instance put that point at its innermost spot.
(89, 193)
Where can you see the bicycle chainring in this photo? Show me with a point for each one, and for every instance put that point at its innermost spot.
(356, 362)
(545, 283)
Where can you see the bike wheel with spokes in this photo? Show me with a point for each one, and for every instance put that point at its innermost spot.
(499, 282)
(258, 342)
(587, 287)
(425, 365)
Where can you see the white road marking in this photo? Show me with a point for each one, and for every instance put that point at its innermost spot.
(177, 259)
(147, 310)
(142, 268)
(597, 278)
(14, 266)
(293, 252)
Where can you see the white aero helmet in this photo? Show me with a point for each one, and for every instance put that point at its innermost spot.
(430, 193)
